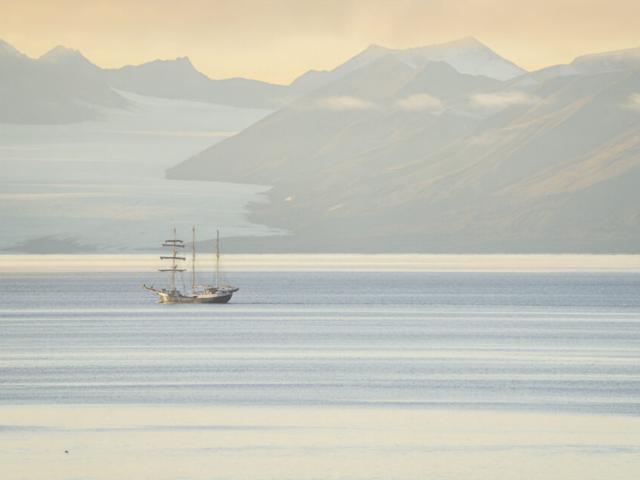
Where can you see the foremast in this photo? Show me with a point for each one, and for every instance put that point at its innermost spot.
(175, 244)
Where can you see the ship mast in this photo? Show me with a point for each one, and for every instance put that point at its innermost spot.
(217, 256)
(193, 262)
(174, 244)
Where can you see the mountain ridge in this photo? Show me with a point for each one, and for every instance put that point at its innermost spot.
(510, 167)
(397, 152)
(42, 81)
(62, 86)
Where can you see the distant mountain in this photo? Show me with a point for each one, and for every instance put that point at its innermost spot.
(467, 55)
(604, 62)
(390, 157)
(70, 73)
(179, 79)
(9, 53)
(333, 122)
(62, 86)
(446, 148)
(66, 56)
(594, 63)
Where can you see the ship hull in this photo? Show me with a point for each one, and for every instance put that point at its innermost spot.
(164, 298)
(199, 293)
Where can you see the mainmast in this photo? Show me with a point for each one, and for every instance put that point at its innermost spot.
(217, 256)
(174, 244)
(193, 263)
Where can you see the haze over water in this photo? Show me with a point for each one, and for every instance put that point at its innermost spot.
(325, 374)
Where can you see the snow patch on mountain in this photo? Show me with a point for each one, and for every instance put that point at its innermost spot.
(608, 61)
(466, 56)
(59, 53)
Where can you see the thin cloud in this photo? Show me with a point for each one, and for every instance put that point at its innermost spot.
(503, 100)
(634, 102)
(344, 103)
(421, 101)
(285, 101)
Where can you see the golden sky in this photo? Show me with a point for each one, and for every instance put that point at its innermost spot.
(278, 40)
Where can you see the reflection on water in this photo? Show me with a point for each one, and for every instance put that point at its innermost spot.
(310, 375)
(295, 443)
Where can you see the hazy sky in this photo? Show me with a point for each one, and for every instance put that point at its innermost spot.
(277, 40)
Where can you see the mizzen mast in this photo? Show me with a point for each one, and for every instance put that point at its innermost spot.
(217, 256)
(174, 244)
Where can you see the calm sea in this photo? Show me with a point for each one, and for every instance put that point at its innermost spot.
(318, 375)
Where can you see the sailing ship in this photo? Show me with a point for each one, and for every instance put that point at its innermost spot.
(199, 293)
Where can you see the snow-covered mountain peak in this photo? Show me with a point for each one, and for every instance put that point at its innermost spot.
(62, 54)
(607, 61)
(375, 48)
(466, 55)
(467, 42)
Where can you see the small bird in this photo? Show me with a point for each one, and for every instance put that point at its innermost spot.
(67, 452)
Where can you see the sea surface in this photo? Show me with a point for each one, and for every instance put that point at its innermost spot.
(323, 375)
